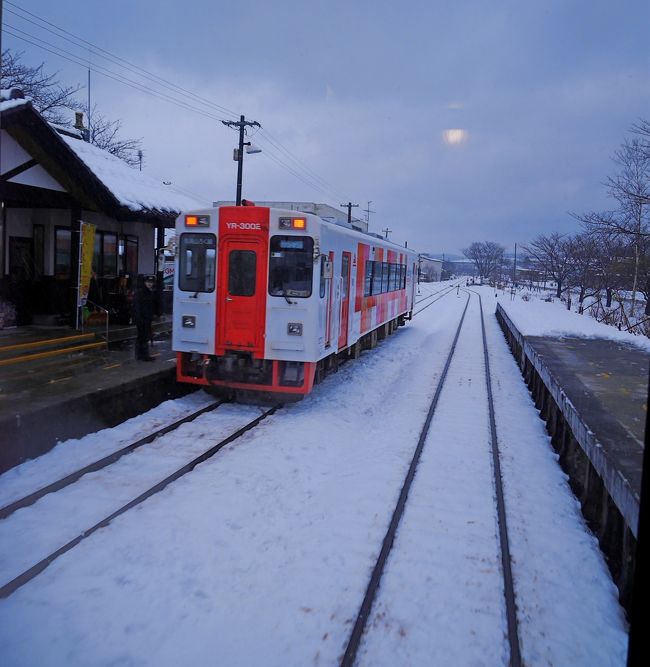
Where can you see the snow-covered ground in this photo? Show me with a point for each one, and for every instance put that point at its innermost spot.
(536, 317)
(261, 556)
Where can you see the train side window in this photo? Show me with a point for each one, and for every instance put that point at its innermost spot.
(345, 275)
(323, 280)
(197, 262)
(367, 282)
(242, 272)
(376, 278)
(385, 276)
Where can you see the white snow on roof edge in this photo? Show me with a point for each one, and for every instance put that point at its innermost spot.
(133, 189)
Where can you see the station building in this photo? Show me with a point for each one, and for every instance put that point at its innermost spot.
(52, 181)
(430, 269)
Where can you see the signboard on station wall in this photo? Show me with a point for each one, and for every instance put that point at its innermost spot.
(86, 249)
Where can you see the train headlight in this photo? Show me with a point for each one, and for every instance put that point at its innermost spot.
(294, 328)
(293, 223)
(189, 321)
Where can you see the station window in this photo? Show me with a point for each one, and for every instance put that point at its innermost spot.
(198, 260)
(62, 237)
(131, 255)
(291, 266)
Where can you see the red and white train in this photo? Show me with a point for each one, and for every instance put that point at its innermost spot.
(268, 300)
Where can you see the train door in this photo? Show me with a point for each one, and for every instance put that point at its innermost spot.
(345, 300)
(241, 297)
(330, 301)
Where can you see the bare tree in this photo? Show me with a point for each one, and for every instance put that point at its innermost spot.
(105, 135)
(48, 96)
(642, 129)
(610, 265)
(487, 257)
(54, 102)
(552, 255)
(631, 188)
(582, 249)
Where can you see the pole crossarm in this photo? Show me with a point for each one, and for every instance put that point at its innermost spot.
(349, 206)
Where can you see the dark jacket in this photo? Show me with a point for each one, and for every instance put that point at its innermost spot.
(145, 303)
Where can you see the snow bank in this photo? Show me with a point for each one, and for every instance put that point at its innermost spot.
(541, 318)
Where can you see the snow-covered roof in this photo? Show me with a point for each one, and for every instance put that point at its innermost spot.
(132, 188)
(11, 97)
(10, 104)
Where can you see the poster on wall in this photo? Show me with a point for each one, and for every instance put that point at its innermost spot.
(86, 249)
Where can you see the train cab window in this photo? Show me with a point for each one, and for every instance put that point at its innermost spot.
(197, 262)
(291, 264)
(242, 272)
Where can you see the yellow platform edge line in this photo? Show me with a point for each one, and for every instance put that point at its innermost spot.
(51, 353)
(44, 343)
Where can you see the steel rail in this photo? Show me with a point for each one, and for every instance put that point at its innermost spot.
(506, 561)
(429, 296)
(364, 612)
(35, 570)
(416, 312)
(31, 498)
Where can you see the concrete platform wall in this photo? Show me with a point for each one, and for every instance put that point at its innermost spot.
(32, 433)
(608, 503)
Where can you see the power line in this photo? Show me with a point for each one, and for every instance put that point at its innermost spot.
(108, 73)
(99, 51)
(313, 179)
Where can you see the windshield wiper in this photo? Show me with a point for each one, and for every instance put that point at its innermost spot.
(286, 298)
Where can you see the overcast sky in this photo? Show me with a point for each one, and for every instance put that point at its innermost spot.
(364, 94)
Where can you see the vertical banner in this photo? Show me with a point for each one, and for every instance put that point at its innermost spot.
(86, 249)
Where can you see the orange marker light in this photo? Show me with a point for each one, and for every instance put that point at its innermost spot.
(299, 223)
(191, 220)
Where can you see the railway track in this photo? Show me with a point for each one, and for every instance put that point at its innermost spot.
(27, 575)
(359, 628)
(438, 295)
(432, 294)
(66, 481)
(59, 484)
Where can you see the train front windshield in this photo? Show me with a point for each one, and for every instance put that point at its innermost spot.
(291, 266)
(198, 259)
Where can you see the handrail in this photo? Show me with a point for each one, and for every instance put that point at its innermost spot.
(96, 305)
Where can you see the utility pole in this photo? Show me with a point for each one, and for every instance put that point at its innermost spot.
(386, 232)
(349, 206)
(367, 211)
(89, 134)
(514, 269)
(242, 124)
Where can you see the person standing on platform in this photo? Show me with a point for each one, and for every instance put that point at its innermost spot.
(144, 310)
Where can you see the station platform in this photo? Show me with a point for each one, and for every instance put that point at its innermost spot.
(593, 395)
(56, 384)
